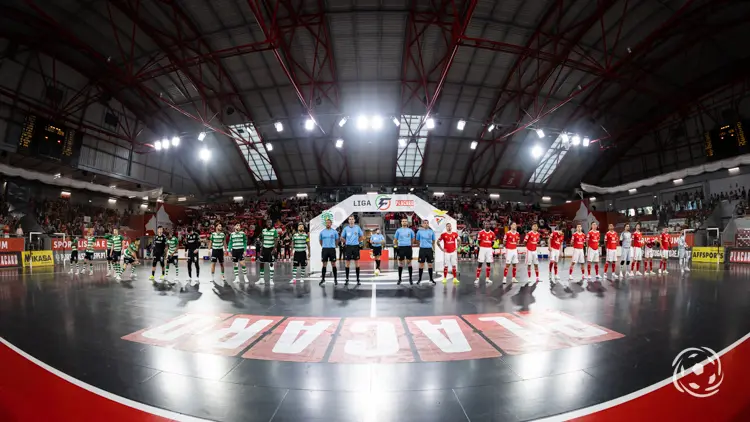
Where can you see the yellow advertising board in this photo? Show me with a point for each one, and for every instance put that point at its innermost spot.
(708, 254)
(37, 259)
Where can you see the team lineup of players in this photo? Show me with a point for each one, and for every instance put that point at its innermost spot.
(635, 249)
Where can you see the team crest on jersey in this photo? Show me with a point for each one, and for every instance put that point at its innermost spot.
(383, 202)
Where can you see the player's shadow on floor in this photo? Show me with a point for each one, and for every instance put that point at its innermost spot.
(525, 296)
(227, 293)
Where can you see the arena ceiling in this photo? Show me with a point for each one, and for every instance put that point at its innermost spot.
(608, 70)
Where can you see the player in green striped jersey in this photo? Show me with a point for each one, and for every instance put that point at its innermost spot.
(301, 246)
(172, 244)
(116, 240)
(108, 239)
(238, 247)
(269, 239)
(217, 240)
(131, 257)
(89, 254)
(74, 255)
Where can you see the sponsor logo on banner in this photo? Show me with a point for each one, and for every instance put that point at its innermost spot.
(362, 203)
(404, 202)
(708, 254)
(373, 340)
(100, 244)
(740, 257)
(38, 258)
(383, 202)
(10, 259)
(12, 244)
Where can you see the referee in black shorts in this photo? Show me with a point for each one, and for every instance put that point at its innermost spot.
(351, 237)
(328, 238)
(403, 240)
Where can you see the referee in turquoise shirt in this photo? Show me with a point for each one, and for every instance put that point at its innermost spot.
(328, 238)
(351, 237)
(377, 241)
(402, 241)
(426, 239)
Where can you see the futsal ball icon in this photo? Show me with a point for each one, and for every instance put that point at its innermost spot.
(697, 371)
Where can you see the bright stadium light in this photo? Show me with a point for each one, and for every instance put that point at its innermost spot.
(165, 143)
(269, 146)
(204, 154)
(586, 141)
(237, 199)
(145, 198)
(592, 199)
(491, 128)
(363, 122)
(546, 198)
(576, 140)
(175, 141)
(113, 186)
(372, 193)
(411, 189)
(301, 195)
(495, 195)
(343, 120)
(565, 138)
(309, 123)
(430, 123)
(439, 193)
(474, 144)
(568, 201)
(461, 124)
(632, 191)
(279, 126)
(182, 199)
(376, 122)
(537, 151)
(339, 143)
(112, 200)
(677, 181)
(396, 121)
(144, 206)
(202, 136)
(734, 170)
(402, 142)
(157, 145)
(540, 133)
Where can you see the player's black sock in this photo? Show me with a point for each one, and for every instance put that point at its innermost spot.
(335, 272)
(411, 270)
(421, 270)
(346, 270)
(153, 273)
(197, 269)
(400, 271)
(377, 264)
(323, 274)
(357, 271)
(429, 271)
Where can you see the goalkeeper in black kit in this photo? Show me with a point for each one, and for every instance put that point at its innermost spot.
(192, 245)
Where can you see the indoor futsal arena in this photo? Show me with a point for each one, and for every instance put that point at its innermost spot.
(374, 210)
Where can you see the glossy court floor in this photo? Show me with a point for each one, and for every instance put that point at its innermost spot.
(97, 330)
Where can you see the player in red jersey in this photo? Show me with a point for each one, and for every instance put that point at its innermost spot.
(592, 255)
(531, 241)
(637, 251)
(648, 262)
(555, 245)
(666, 242)
(450, 243)
(611, 239)
(485, 238)
(512, 238)
(578, 240)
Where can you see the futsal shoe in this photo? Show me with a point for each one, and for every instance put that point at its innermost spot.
(270, 282)
(659, 271)
(71, 271)
(614, 276)
(687, 269)
(91, 272)
(455, 280)
(293, 281)
(109, 272)
(638, 273)
(488, 282)
(476, 282)
(322, 282)
(514, 280)
(78, 272)
(118, 278)
(665, 272)
(151, 277)
(445, 280)
(377, 272)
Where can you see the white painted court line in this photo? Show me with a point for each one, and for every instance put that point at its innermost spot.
(373, 307)
(98, 391)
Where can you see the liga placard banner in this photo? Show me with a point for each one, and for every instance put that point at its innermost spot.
(382, 203)
(739, 256)
(708, 254)
(38, 259)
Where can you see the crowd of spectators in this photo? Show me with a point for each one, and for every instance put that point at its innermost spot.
(63, 216)
(8, 222)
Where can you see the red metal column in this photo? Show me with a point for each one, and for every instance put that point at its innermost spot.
(422, 83)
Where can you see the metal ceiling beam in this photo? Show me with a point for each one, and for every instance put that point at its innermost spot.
(313, 83)
(540, 111)
(213, 65)
(423, 82)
